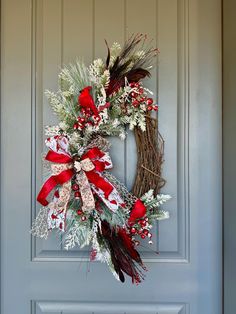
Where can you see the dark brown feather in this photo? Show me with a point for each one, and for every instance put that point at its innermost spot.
(136, 75)
(123, 255)
(122, 68)
(108, 55)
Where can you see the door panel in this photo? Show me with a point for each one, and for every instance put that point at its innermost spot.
(107, 308)
(55, 44)
(38, 37)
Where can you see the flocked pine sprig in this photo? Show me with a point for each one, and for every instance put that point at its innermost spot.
(152, 201)
(98, 74)
(160, 215)
(72, 238)
(153, 204)
(74, 77)
(136, 118)
(63, 108)
(114, 52)
(112, 130)
(79, 234)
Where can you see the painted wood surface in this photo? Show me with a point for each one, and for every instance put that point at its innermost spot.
(38, 37)
(229, 151)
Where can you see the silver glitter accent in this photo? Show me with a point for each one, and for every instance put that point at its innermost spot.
(128, 197)
(40, 225)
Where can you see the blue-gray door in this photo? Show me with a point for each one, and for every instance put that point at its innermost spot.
(38, 36)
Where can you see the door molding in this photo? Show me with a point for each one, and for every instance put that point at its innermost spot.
(229, 152)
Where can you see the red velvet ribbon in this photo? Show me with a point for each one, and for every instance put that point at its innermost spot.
(58, 158)
(94, 155)
(55, 180)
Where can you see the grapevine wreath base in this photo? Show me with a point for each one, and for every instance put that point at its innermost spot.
(81, 198)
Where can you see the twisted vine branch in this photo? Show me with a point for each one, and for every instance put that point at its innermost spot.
(150, 151)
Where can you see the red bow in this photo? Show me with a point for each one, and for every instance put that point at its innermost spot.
(93, 176)
(94, 154)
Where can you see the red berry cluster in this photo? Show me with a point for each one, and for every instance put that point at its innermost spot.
(75, 188)
(86, 119)
(93, 255)
(77, 195)
(81, 214)
(138, 97)
(141, 228)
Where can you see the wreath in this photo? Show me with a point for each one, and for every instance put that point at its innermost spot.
(81, 197)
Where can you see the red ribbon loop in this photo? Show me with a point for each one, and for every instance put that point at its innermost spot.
(55, 180)
(95, 154)
(99, 182)
(58, 158)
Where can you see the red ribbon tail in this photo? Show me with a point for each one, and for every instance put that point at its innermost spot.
(51, 183)
(99, 182)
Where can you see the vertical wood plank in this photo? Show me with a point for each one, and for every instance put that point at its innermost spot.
(51, 28)
(168, 101)
(109, 24)
(48, 60)
(77, 28)
(15, 152)
(229, 151)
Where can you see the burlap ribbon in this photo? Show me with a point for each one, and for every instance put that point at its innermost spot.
(58, 207)
(81, 179)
